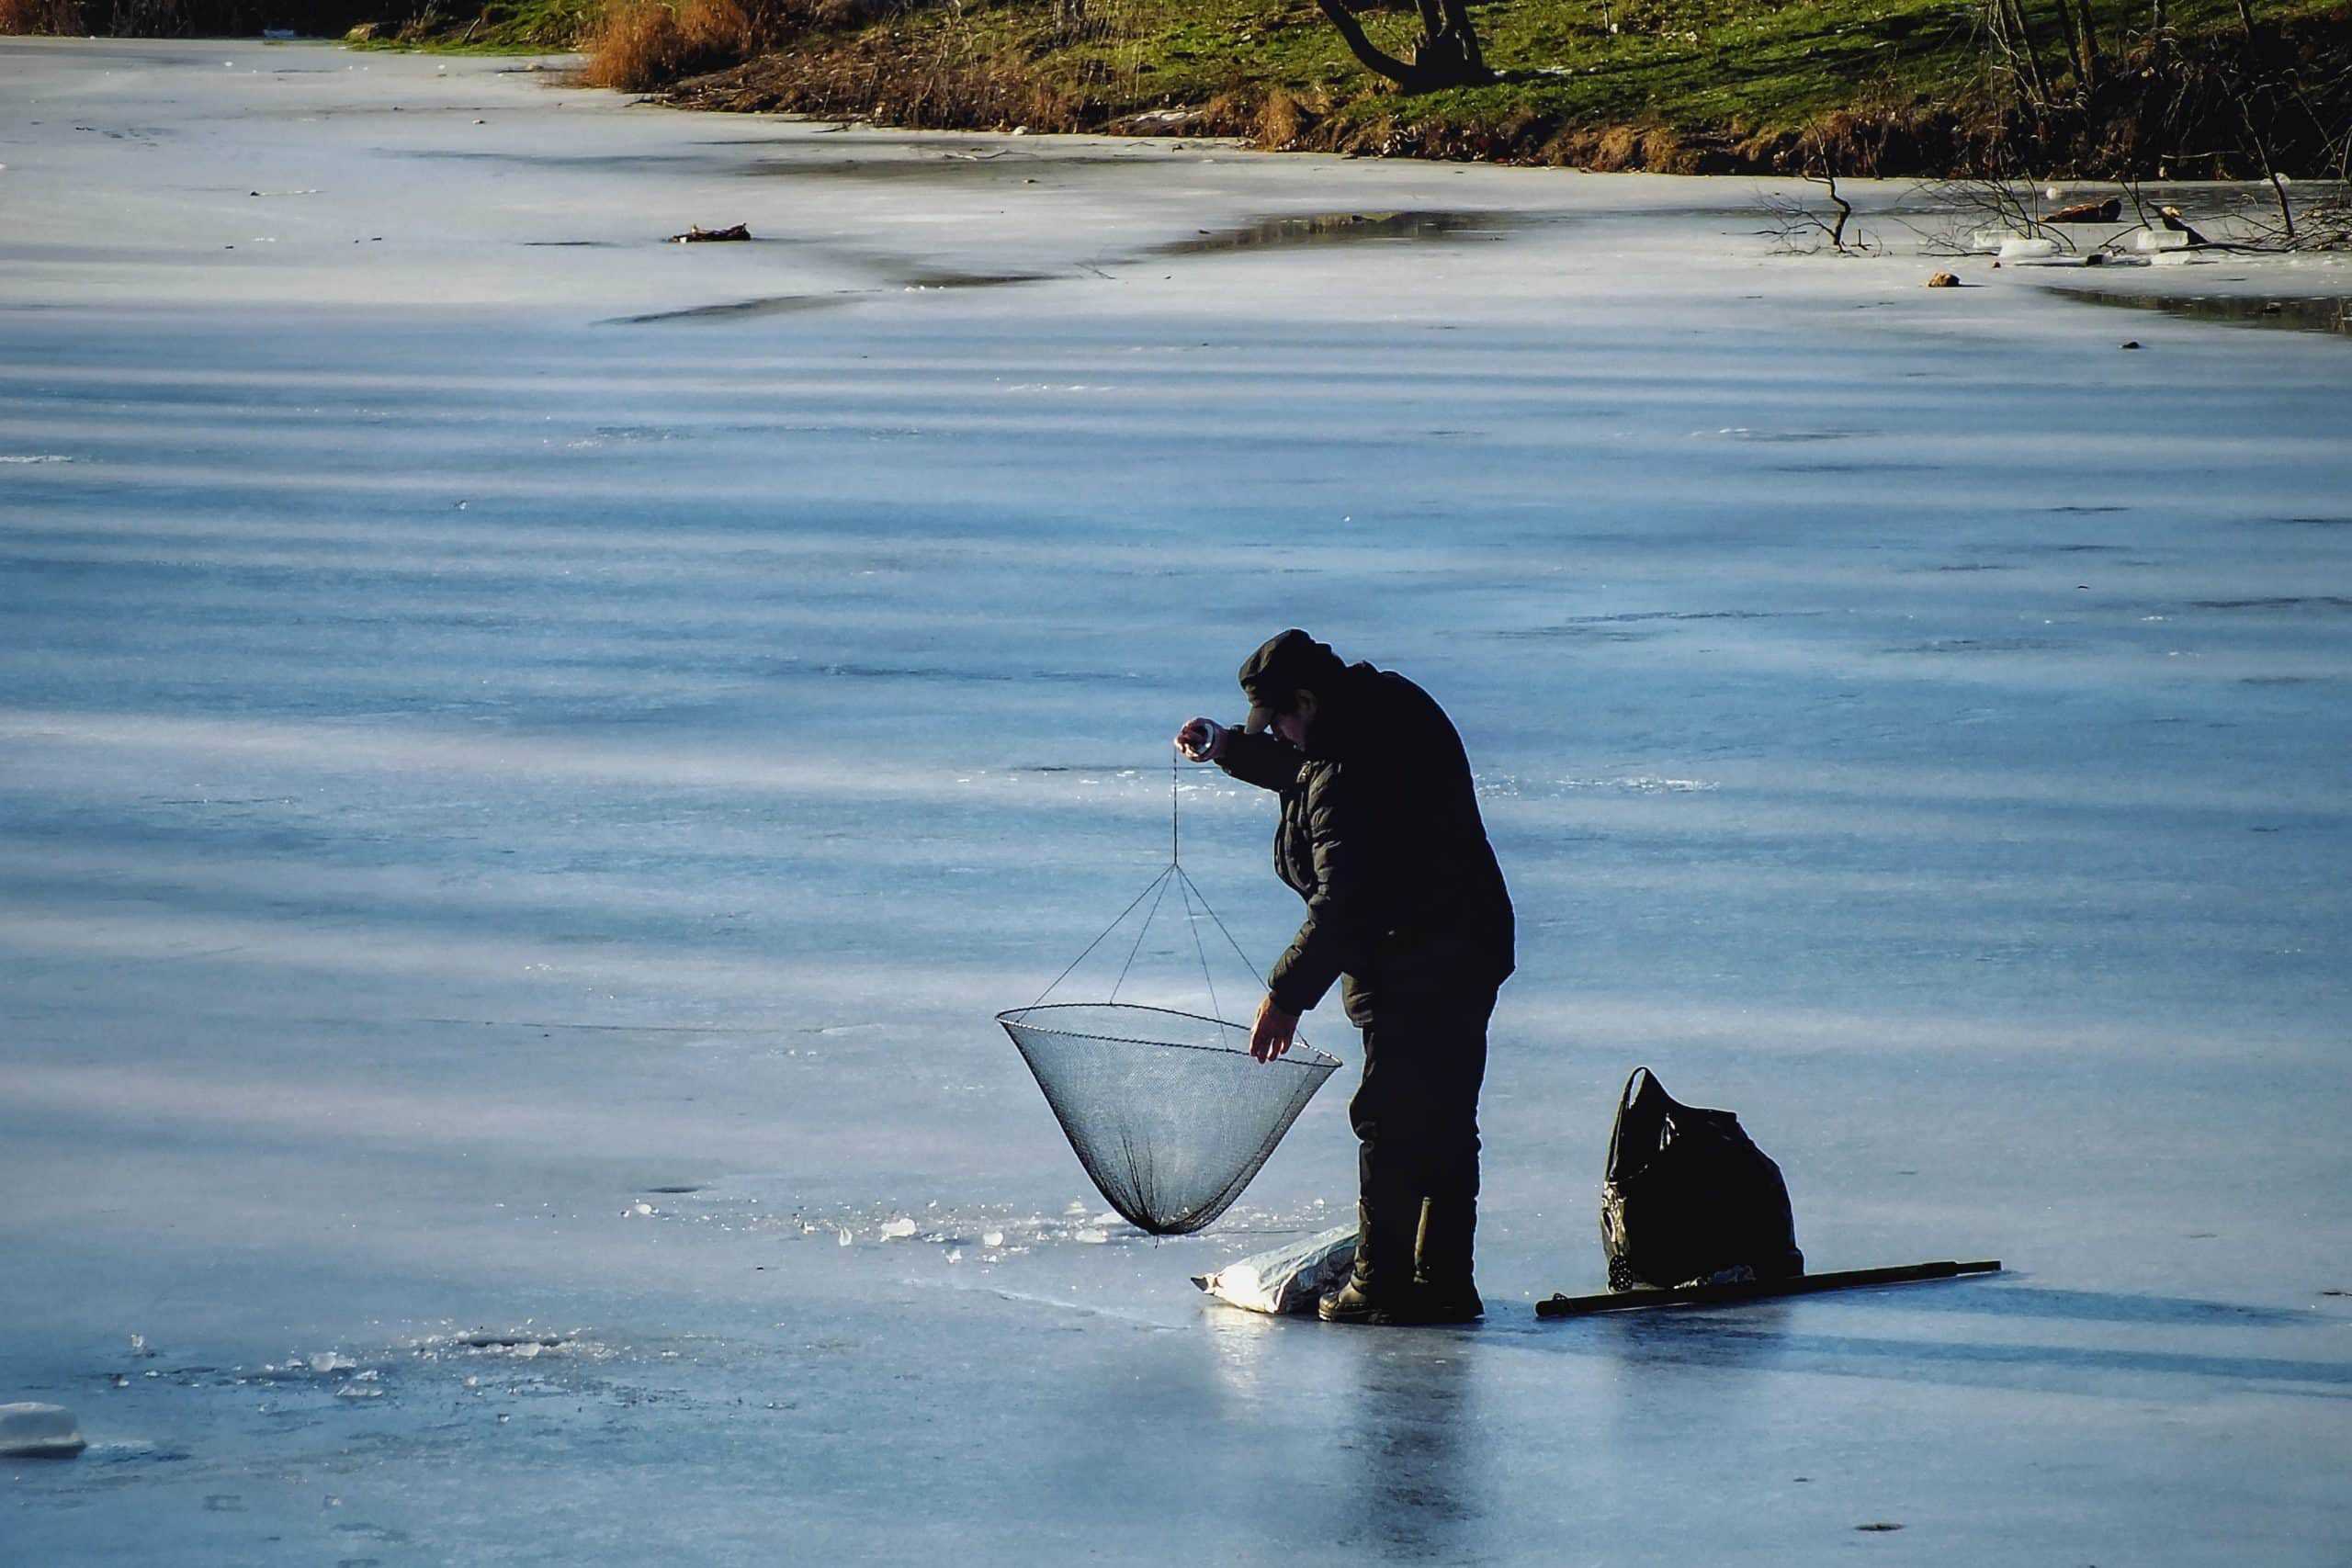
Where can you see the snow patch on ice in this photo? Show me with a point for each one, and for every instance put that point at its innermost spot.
(1511, 787)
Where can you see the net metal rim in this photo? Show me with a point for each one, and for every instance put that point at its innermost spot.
(1301, 1054)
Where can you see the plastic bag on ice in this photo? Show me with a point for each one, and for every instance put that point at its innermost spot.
(1689, 1199)
(1288, 1281)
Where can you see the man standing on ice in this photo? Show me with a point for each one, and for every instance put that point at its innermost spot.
(1380, 834)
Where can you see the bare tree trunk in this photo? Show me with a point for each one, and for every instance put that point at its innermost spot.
(2089, 36)
(1457, 21)
(1447, 56)
(2005, 22)
(2071, 38)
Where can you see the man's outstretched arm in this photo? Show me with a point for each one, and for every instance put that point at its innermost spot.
(1262, 759)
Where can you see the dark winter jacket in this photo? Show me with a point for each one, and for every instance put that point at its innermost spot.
(1380, 835)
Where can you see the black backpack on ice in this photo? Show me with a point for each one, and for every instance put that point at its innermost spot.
(1689, 1199)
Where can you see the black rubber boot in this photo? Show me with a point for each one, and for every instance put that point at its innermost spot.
(1442, 1285)
(1380, 1290)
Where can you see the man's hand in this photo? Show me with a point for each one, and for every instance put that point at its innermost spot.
(1269, 1036)
(1200, 740)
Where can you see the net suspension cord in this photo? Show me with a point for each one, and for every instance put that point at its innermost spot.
(1187, 891)
(1149, 915)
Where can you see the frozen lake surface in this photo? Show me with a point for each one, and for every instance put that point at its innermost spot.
(529, 755)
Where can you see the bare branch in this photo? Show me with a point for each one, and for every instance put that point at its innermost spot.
(1798, 230)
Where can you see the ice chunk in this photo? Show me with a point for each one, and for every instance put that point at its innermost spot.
(899, 1229)
(39, 1431)
(2021, 249)
(992, 1238)
(2159, 240)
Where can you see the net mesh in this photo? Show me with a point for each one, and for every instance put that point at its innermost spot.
(1168, 1111)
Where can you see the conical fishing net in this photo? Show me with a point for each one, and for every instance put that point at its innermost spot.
(1169, 1113)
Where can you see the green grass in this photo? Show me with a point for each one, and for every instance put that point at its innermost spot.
(1723, 73)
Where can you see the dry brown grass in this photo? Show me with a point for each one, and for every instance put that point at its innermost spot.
(637, 46)
(1620, 147)
(56, 17)
(1280, 121)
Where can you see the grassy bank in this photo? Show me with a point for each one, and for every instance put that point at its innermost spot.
(1871, 87)
(2219, 90)
(1890, 86)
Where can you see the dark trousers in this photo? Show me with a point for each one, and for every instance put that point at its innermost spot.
(1416, 1113)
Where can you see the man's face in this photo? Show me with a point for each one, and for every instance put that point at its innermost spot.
(1292, 725)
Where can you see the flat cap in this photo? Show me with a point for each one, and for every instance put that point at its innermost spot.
(1274, 675)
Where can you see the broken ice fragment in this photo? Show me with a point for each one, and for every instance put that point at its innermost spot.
(39, 1431)
(899, 1229)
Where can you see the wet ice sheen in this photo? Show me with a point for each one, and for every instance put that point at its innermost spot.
(427, 821)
